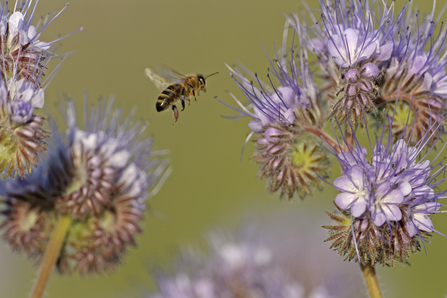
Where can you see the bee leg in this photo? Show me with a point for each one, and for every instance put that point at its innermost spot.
(182, 97)
(192, 91)
(183, 104)
(175, 113)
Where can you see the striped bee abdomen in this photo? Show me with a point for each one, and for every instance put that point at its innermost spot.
(168, 97)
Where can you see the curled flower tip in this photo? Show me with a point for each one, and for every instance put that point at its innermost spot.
(413, 124)
(102, 177)
(414, 106)
(28, 221)
(290, 164)
(385, 202)
(356, 94)
(26, 228)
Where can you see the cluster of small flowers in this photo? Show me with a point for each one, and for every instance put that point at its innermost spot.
(386, 201)
(100, 175)
(263, 260)
(376, 68)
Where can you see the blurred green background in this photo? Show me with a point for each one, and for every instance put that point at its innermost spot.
(209, 186)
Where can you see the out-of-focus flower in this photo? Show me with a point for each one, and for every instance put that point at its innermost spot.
(101, 176)
(385, 201)
(286, 119)
(263, 260)
(23, 61)
(22, 137)
(28, 219)
(23, 54)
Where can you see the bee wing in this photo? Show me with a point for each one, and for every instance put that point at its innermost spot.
(159, 81)
(172, 75)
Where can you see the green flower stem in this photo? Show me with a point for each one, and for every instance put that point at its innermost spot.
(50, 256)
(369, 274)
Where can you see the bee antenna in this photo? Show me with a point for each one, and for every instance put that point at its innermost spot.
(211, 74)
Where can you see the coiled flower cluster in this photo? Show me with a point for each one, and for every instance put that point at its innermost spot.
(377, 68)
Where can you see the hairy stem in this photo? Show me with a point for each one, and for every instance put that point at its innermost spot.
(325, 137)
(372, 283)
(50, 256)
(392, 97)
(349, 141)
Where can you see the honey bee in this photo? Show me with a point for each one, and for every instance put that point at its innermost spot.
(177, 87)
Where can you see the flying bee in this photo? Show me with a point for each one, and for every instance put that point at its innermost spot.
(177, 87)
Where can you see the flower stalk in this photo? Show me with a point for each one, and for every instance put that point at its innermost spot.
(372, 283)
(50, 256)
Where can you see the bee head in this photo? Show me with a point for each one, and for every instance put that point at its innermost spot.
(202, 82)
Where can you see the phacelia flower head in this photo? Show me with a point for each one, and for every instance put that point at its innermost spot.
(100, 175)
(352, 41)
(284, 119)
(415, 75)
(358, 36)
(372, 57)
(385, 200)
(262, 261)
(23, 62)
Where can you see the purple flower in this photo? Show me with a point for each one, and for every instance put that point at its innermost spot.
(353, 41)
(23, 99)
(370, 57)
(349, 32)
(384, 208)
(280, 104)
(274, 105)
(355, 189)
(387, 199)
(351, 47)
(20, 111)
(419, 51)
